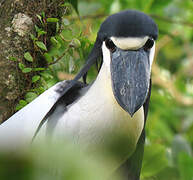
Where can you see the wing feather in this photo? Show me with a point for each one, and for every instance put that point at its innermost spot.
(24, 123)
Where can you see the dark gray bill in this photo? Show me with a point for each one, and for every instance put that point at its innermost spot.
(130, 73)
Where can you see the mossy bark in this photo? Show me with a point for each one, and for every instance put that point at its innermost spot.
(17, 21)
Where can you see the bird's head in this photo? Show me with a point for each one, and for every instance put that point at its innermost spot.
(126, 41)
(128, 45)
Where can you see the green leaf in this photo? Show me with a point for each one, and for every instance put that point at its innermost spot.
(28, 57)
(74, 4)
(159, 5)
(67, 35)
(41, 33)
(48, 57)
(52, 20)
(35, 78)
(55, 42)
(12, 58)
(39, 90)
(33, 37)
(51, 82)
(26, 70)
(30, 96)
(154, 160)
(21, 66)
(18, 107)
(43, 14)
(185, 163)
(75, 43)
(41, 45)
(37, 28)
(38, 69)
(21, 104)
(40, 18)
(46, 75)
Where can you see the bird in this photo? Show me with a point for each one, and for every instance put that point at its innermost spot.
(115, 105)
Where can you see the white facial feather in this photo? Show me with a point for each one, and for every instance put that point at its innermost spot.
(129, 42)
(106, 57)
(151, 55)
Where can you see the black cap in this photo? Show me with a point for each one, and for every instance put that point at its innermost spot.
(129, 23)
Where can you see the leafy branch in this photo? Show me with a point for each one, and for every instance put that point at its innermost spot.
(169, 20)
(168, 83)
(162, 18)
(59, 58)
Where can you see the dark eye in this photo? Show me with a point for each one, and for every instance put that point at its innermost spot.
(110, 45)
(148, 45)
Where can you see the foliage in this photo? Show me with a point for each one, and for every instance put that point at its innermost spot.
(66, 54)
(169, 144)
(52, 161)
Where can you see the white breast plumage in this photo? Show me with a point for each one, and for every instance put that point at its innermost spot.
(97, 118)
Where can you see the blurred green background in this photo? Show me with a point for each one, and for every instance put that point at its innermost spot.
(169, 129)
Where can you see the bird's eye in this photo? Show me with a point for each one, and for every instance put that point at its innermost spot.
(148, 45)
(110, 45)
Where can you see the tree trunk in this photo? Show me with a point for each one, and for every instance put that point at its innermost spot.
(17, 20)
